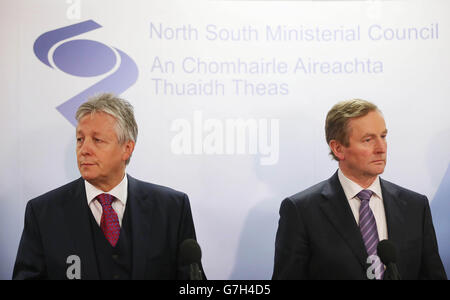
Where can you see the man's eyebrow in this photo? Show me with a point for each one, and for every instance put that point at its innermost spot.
(93, 132)
(368, 135)
(373, 134)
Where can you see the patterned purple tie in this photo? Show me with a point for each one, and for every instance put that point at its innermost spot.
(368, 227)
(109, 222)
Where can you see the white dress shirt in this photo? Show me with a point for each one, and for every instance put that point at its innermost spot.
(120, 192)
(351, 189)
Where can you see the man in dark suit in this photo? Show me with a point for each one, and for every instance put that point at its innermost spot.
(107, 224)
(331, 230)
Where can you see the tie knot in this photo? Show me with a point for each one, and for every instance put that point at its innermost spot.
(364, 195)
(105, 199)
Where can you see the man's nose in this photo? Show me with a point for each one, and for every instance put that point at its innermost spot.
(86, 147)
(381, 145)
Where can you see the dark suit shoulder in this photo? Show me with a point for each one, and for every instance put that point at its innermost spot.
(401, 191)
(59, 194)
(154, 192)
(155, 188)
(305, 197)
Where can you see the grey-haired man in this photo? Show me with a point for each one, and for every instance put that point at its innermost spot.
(106, 224)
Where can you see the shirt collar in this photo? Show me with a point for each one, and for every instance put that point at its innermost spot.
(120, 191)
(351, 188)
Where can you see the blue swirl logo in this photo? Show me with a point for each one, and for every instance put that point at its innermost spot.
(85, 58)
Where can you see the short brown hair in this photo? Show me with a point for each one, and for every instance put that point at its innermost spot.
(336, 124)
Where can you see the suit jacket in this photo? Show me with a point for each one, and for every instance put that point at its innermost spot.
(57, 226)
(318, 237)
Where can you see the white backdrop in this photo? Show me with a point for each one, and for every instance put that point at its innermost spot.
(230, 98)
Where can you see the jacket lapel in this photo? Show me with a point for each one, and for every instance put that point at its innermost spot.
(337, 209)
(392, 207)
(77, 220)
(141, 215)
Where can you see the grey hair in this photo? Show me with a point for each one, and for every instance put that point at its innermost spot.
(120, 109)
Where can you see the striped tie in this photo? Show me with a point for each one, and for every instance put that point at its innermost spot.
(368, 227)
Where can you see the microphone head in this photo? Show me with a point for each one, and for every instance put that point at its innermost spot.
(387, 252)
(190, 252)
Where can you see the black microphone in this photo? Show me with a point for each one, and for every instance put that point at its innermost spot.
(387, 252)
(191, 254)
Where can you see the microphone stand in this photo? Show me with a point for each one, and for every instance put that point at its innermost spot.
(195, 274)
(392, 272)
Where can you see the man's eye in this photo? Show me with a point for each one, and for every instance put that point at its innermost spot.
(79, 140)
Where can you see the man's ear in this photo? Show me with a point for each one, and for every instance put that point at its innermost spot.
(128, 150)
(338, 149)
